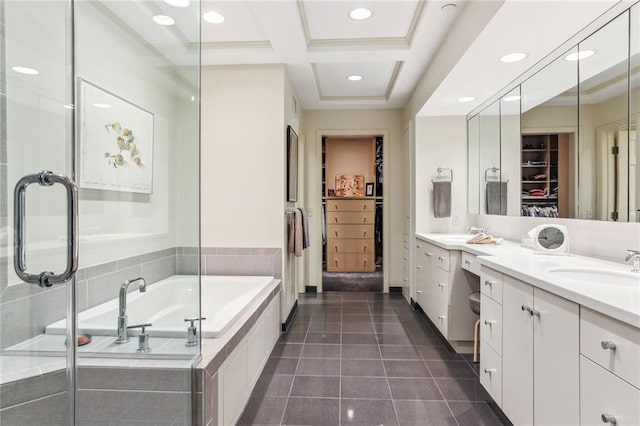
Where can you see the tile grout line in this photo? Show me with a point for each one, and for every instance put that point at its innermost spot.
(386, 376)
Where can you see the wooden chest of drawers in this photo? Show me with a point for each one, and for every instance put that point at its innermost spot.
(350, 232)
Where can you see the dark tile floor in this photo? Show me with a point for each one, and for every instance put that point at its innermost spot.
(368, 359)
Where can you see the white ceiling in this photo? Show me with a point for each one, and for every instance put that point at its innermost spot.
(479, 72)
(321, 45)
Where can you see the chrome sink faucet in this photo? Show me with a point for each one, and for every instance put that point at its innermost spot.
(476, 229)
(123, 337)
(633, 255)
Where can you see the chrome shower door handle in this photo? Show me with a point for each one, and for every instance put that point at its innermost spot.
(46, 278)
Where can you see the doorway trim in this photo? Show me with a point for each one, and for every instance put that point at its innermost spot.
(316, 195)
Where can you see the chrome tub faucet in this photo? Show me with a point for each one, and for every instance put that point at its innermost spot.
(633, 255)
(123, 337)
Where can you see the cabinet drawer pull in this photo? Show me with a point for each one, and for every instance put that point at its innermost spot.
(429, 254)
(609, 418)
(526, 308)
(418, 291)
(364, 207)
(336, 219)
(364, 248)
(491, 283)
(440, 258)
(418, 267)
(336, 262)
(335, 206)
(364, 220)
(336, 233)
(489, 323)
(441, 285)
(489, 370)
(336, 247)
(466, 262)
(364, 234)
(534, 313)
(365, 263)
(608, 345)
(442, 317)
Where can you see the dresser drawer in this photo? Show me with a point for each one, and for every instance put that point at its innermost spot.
(491, 283)
(350, 262)
(491, 372)
(349, 231)
(362, 218)
(624, 360)
(602, 393)
(470, 263)
(350, 206)
(491, 323)
(355, 245)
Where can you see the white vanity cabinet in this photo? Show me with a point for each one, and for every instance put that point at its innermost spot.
(442, 291)
(609, 370)
(540, 356)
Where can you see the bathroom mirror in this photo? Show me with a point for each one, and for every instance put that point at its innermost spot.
(491, 194)
(576, 153)
(473, 165)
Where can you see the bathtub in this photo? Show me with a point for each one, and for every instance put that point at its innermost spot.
(167, 303)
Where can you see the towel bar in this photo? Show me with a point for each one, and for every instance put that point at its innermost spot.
(442, 169)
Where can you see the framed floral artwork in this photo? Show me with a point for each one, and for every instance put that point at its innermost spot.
(115, 149)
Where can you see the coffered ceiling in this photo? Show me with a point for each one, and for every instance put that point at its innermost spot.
(321, 45)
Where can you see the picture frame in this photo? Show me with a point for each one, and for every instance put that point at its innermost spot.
(115, 144)
(368, 192)
(292, 164)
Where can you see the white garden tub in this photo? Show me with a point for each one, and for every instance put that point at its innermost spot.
(167, 303)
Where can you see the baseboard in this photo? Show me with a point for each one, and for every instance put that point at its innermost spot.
(292, 314)
(311, 289)
(395, 289)
(412, 303)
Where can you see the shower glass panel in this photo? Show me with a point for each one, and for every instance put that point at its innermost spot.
(108, 95)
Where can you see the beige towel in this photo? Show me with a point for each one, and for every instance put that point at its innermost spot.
(298, 240)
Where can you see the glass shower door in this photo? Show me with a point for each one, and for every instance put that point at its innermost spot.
(36, 135)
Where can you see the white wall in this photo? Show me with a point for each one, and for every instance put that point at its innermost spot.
(440, 142)
(243, 156)
(358, 122)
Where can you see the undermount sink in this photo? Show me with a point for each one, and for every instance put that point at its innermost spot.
(597, 276)
(453, 238)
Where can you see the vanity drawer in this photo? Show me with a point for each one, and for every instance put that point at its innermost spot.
(350, 206)
(350, 217)
(441, 316)
(491, 323)
(624, 360)
(491, 283)
(349, 231)
(603, 393)
(470, 263)
(491, 372)
(442, 286)
(346, 245)
(352, 262)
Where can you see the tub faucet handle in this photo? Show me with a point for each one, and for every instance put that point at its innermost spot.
(192, 331)
(143, 337)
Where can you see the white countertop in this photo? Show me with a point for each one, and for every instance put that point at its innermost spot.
(618, 301)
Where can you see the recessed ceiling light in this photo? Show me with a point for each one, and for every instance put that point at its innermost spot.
(581, 54)
(360, 14)
(105, 106)
(466, 99)
(213, 17)
(354, 77)
(177, 3)
(25, 70)
(163, 20)
(511, 98)
(513, 57)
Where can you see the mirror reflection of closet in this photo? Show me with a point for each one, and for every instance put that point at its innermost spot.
(352, 168)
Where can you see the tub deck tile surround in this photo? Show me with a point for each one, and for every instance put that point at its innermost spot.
(414, 380)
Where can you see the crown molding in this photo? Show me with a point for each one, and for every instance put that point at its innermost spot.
(392, 81)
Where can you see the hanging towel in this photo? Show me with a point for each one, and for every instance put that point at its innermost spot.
(442, 199)
(305, 228)
(298, 233)
(291, 229)
(496, 198)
